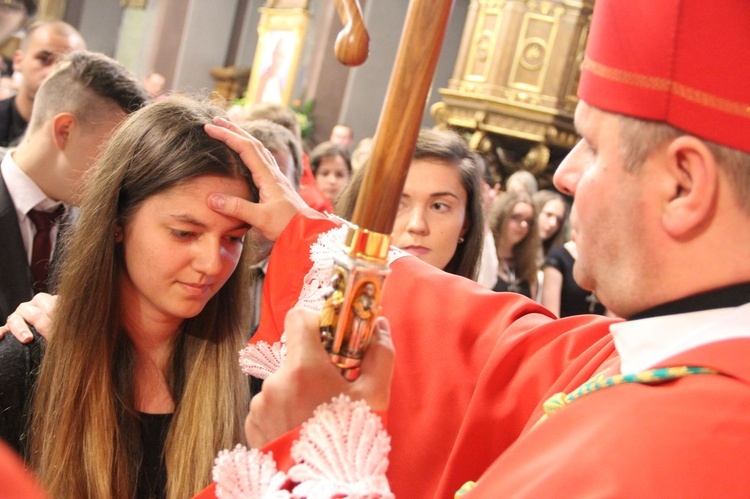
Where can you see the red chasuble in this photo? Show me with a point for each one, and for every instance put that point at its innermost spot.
(685, 438)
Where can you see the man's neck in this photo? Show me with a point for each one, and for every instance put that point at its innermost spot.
(24, 104)
(34, 160)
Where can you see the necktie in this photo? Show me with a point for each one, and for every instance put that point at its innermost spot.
(42, 247)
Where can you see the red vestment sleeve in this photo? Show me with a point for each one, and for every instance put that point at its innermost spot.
(17, 481)
(287, 266)
(207, 493)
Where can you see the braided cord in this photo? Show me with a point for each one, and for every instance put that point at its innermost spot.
(649, 377)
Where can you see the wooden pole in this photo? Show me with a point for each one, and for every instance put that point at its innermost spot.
(361, 269)
(401, 116)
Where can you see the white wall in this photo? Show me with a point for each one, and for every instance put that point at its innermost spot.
(205, 39)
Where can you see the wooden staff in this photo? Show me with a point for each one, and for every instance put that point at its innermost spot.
(401, 116)
(361, 269)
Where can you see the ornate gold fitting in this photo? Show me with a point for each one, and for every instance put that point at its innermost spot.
(353, 299)
(368, 245)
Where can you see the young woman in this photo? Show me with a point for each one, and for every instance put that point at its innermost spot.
(513, 224)
(332, 168)
(440, 216)
(552, 214)
(152, 306)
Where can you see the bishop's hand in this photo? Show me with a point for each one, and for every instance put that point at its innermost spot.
(279, 202)
(308, 378)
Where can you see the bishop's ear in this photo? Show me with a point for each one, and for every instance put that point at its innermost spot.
(693, 172)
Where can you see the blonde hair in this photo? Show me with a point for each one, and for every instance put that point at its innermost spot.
(84, 435)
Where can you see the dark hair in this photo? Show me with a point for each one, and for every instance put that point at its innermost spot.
(447, 147)
(328, 150)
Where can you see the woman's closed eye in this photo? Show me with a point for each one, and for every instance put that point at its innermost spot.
(236, 239)
(181, 234)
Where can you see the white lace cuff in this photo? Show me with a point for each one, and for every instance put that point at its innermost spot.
(342, 452)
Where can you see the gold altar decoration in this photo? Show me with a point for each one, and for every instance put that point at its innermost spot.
(514, 84)
(231, 81)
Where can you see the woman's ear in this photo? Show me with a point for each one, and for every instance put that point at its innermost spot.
(119, 233)
(465, 228)
(693, 173)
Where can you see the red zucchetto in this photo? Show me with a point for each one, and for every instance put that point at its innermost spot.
(684, 62)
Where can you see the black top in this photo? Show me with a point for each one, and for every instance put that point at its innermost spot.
(574, 300)
(521, 287)
(152, 478)
(12, 124)
(19, 368)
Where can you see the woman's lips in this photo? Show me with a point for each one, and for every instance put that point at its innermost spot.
(196, 289)
(416, 250)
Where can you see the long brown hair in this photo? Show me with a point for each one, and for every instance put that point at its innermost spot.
(525, 252)
(85, 438)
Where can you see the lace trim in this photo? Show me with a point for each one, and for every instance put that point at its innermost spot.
(318, 278)
(342, 452)
(243, 473)
(262, 359)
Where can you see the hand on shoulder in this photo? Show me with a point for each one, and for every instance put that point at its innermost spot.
(38, 313)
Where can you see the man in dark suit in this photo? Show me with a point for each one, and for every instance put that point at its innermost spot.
(74, 111)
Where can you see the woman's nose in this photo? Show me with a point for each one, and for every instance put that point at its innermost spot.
(208, 257)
